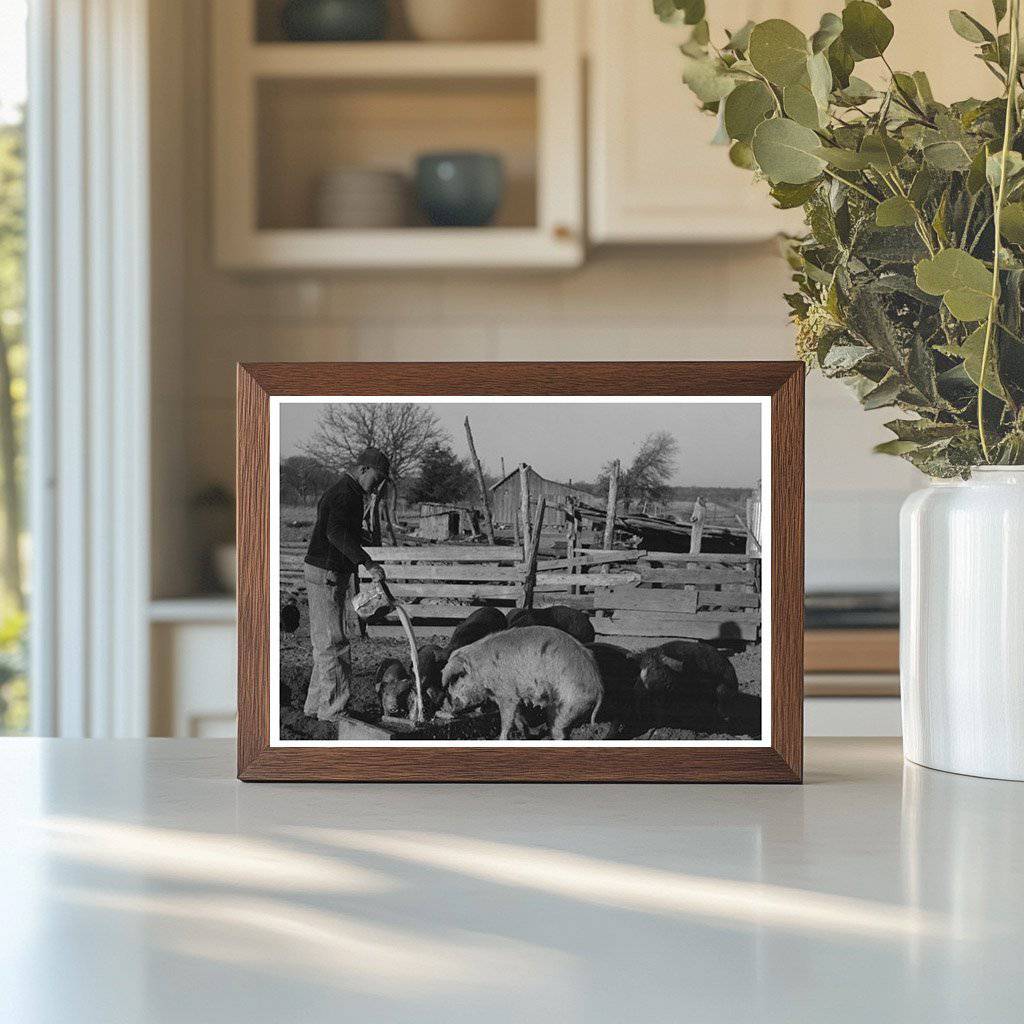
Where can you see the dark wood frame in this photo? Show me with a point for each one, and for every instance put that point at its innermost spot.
(782, 761)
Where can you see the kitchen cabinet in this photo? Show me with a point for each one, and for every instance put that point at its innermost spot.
(287, 114)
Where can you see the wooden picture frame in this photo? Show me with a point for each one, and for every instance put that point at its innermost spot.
(778, 759)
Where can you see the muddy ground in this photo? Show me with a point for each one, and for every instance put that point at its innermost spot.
(368, 653)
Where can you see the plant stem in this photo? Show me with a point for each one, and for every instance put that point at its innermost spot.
(1011, 108)
(853, 185)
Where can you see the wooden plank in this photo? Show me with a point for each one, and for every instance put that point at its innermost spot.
(417, 612)
(446, 553)
(550, 600)
(852, 650)
(680, 601)
(667, 619)
(390, 632)
(463, 591)
(728, 599)
(704, 558)
(588, 559)
(422, 571)
(578, 579)
(696, 628)
(698, 577)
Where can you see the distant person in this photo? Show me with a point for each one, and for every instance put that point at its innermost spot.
(335, 553)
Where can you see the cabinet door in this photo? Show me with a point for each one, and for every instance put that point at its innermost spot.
(654, 177)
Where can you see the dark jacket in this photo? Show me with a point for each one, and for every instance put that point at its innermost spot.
(336, 543)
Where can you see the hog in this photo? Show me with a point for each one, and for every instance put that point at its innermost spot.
(394, 687)
(535, 665)
(568, 620)
(688, 679)
(483, 622)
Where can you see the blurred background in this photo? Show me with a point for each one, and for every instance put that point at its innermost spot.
(361, 180)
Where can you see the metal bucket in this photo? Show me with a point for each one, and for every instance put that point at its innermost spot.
(372, 597)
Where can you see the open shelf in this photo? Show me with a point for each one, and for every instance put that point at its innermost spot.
(308, 127)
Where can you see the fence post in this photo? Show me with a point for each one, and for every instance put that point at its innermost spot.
(697, 526)
(613, 497)
(484, 493)
(531, 558)
(524, 501)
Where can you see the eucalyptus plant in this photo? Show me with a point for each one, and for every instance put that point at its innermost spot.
(910, 278)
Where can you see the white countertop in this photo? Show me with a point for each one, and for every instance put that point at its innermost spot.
(140, 882)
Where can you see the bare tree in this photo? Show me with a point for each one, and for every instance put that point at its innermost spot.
(652, 467)
(402, 430)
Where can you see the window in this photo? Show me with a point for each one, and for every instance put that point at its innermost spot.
(14, 690)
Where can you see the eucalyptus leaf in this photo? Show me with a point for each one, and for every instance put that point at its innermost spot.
(819, 75)
(739, 41)
(883, 395)
(857, 91)
(788, 196)
(787, 152)
(993, 167)
(947, 156)
(969, 28)
(895, 447)
(829, 30)
(779, 51)
(690, 12)
(1012, 223)
(895, 212)
(866, 29)
(707, 78)
(741, 155)
(801, 106)
(844, 159)
(999, 9)
(963, 281)
(745, 108)
(883, 152)
(976, 176)
(841, 62)
(972, 351)
(924, 88)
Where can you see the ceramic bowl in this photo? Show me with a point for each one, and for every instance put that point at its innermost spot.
(470, 20)
(460, 189)
(333, 21)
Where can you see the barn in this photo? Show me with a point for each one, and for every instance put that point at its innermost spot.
(505, 499)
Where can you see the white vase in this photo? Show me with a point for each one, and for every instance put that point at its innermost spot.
(962, 624)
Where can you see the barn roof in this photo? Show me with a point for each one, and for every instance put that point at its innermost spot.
(514, 476)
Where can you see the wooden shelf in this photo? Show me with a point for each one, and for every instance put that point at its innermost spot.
(393, 60)
(318, 248)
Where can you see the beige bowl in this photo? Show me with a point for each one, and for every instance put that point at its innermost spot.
(362, 198)
(471, 20)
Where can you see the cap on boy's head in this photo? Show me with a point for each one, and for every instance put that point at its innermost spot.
(374, 458)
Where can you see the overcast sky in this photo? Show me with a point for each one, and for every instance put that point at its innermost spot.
(719, 443)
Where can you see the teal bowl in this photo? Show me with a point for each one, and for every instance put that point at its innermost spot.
(460, 190)
(334, 21)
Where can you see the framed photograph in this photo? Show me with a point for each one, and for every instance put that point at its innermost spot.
(519, 572)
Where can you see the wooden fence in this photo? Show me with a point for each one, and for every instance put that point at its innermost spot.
(636, 599)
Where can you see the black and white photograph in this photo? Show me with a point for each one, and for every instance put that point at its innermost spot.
(512, 571)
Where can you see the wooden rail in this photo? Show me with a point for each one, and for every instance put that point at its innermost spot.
(636, 599)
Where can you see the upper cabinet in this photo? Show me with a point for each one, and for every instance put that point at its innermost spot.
(654, 176)
(316, 144)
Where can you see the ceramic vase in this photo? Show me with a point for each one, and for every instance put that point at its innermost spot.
(962, 624)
